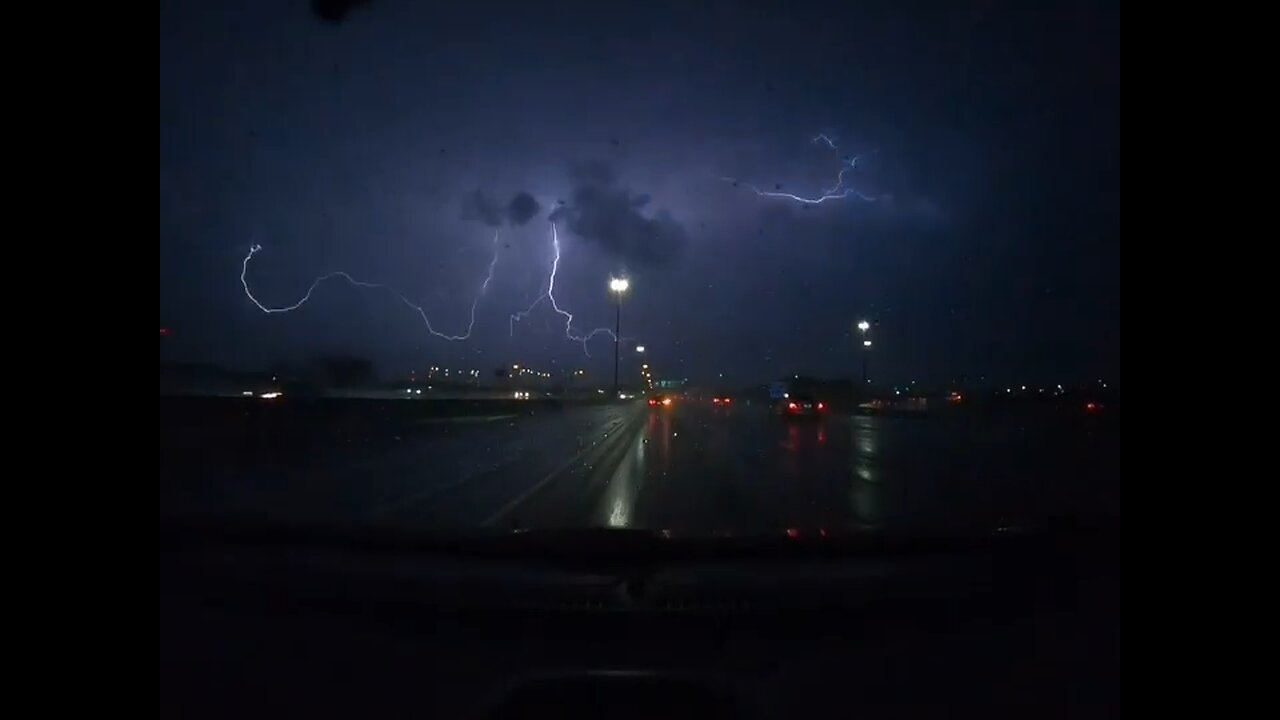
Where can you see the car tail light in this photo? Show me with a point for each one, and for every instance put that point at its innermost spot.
(821, 406)
(652, 401)
(715, 400)
(792, 406)
(728, 400)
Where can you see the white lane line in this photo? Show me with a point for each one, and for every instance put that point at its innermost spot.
(493, 519)
(465, 419)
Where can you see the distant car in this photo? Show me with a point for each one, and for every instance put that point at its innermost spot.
(800, 406)
(721, 400)
(660, 401)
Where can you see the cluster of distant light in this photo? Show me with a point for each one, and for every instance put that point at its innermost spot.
(435, 371)
(1056, 390)
(835, 192)
(484, 287)
(569, 331)
(518, 370)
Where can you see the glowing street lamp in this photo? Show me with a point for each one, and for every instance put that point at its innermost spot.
(863, 327)
(618, 286)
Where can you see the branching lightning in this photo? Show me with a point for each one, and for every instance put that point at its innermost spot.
(571, 332)
(484, 287)
(822, 137)
(838, 191)
(835, 192)
(550, 296)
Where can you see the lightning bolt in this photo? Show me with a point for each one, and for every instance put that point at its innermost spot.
(836, 192)
(550, 296)
(484, 287)
(822, 137)
(521, 315)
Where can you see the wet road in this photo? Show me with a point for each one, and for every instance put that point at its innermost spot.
(698, 469)
(692, 468)
(365, 463)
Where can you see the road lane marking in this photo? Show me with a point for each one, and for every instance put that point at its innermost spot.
(400, 503)
(614, 430)
(465, 419)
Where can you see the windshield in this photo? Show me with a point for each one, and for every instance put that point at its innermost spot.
(694, 268)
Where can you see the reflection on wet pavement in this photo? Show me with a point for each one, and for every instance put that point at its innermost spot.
(693, 471)
(864, 495)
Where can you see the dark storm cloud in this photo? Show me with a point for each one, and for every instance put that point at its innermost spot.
(478, 207)
(334, 11)
(996, 219)
(612, 216)
(522, 208)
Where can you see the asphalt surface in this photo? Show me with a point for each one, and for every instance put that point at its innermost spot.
(364, 462)
(696, 469)
(688, 469)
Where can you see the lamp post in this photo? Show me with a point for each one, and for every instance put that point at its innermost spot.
(863, 327)
(618, 286)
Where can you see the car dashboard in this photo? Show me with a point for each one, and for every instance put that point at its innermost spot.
(254, 630)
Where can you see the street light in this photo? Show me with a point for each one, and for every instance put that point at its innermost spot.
(617, 286)
(863, 327)
(639, 348)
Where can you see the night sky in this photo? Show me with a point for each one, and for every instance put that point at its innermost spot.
(393, 143)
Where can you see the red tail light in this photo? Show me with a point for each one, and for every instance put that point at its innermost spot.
(652, 402)
(728, 400)
(715, 400)
(821, 406)
(792, 406)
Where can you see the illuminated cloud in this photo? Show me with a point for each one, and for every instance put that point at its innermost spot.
(611, 216)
